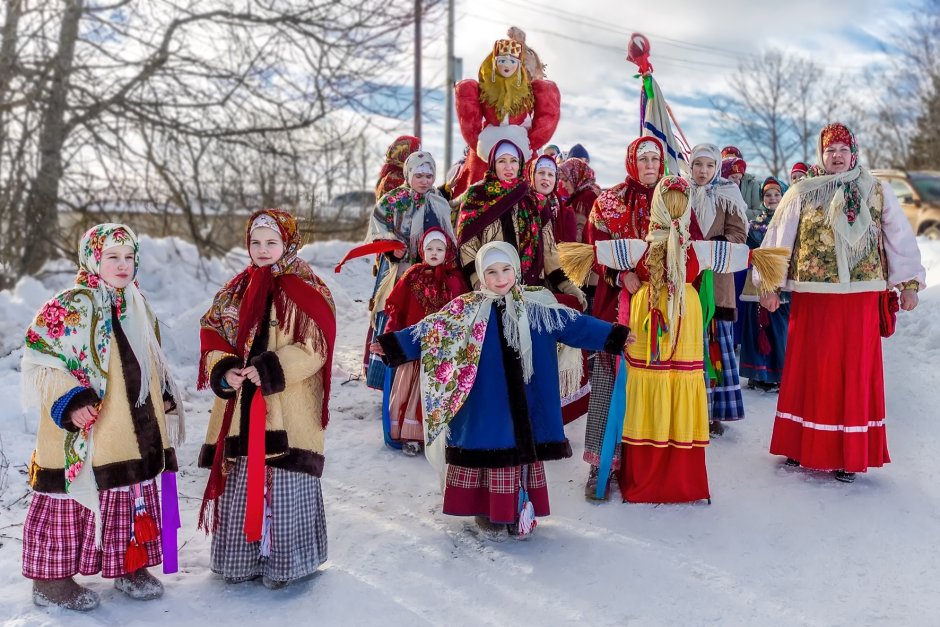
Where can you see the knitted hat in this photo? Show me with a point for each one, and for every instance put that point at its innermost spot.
(799, 168)
(731, 151)
(578, 151)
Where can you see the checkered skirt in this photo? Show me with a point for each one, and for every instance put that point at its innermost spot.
(59, 535)
(603, 377)
(298, 534)
(725, 402)
(494, 492)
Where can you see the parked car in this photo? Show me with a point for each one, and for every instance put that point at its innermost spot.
(919, 195)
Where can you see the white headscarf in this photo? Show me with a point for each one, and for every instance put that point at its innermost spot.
(705, 197)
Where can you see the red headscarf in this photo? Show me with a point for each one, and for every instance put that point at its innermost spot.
(623, 211)
(300, 298)
(838, 133)
(733, 165)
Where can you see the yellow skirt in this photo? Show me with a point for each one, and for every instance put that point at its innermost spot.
(666, 403)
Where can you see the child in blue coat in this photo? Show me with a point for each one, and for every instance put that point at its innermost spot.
(489, 381)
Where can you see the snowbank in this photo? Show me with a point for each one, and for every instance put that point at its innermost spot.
(777, 545)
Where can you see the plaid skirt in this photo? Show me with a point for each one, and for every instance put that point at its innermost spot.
(725, 402)
(494, 492)
(603, 377)
(298, 528)
(59, 535)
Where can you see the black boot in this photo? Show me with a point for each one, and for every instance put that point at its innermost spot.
(792, 463)
(845, 477)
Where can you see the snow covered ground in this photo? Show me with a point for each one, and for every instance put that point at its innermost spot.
(777, 546)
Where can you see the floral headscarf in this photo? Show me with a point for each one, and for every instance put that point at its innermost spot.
(579, 174)
(623, 211)
(489, 199)
(452, 340)
(404, 214)
(846, 198)
(303, 307)
(72, 333)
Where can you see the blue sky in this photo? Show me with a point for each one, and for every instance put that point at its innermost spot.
(696, 47)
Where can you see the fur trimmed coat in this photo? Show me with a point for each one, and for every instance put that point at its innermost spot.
(292, 383)
(130, 443)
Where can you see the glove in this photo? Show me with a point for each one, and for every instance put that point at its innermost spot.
(569, 288)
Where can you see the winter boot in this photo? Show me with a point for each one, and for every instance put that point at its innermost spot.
(590, 488)
(411, 449)
(845, 477)
(140, 585)
(716, 429)
(274, 584)
(490, 530)
(64, 593)
(792, 463)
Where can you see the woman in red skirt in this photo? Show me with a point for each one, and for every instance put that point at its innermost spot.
(852, 247)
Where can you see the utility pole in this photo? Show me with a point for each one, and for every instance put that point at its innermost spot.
(417, 131)
(449, 90)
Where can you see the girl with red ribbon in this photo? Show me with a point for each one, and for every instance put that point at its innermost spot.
(266, 351)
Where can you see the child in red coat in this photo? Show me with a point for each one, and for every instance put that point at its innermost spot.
(423, 289)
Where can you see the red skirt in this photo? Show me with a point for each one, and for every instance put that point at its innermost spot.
(831, 411)
(59, 536)
(494, 492)
(652, 474)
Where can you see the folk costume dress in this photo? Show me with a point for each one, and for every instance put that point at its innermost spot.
(764, 334)
(489, 377)
(264, 445)
(402, 215)
(96, 507)
(621, 212)
(721, 214)
(665, 428)
(421, 291)
(850, 241)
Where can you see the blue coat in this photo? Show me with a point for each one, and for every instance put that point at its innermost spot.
(505, 421)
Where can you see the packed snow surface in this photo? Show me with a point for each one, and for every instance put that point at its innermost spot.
(776, 546)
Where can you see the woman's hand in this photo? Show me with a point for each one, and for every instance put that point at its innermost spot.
(770, 302)
(376, 348)
(399, 253)
(251, 373)
(631, 339)
(909, 299)
(84, 416)
(630, 281)
(234, 378)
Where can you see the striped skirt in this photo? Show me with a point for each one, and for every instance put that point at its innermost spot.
(297, 527)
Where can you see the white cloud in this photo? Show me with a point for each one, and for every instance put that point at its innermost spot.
(696, 46)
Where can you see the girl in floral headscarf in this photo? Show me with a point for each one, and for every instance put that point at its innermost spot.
(266, 352)
(577, 180)
(94, 364)
(852, 249)
(489, 372)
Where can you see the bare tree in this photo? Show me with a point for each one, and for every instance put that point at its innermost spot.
(759, 113)
(779, 103)
(193, 107)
